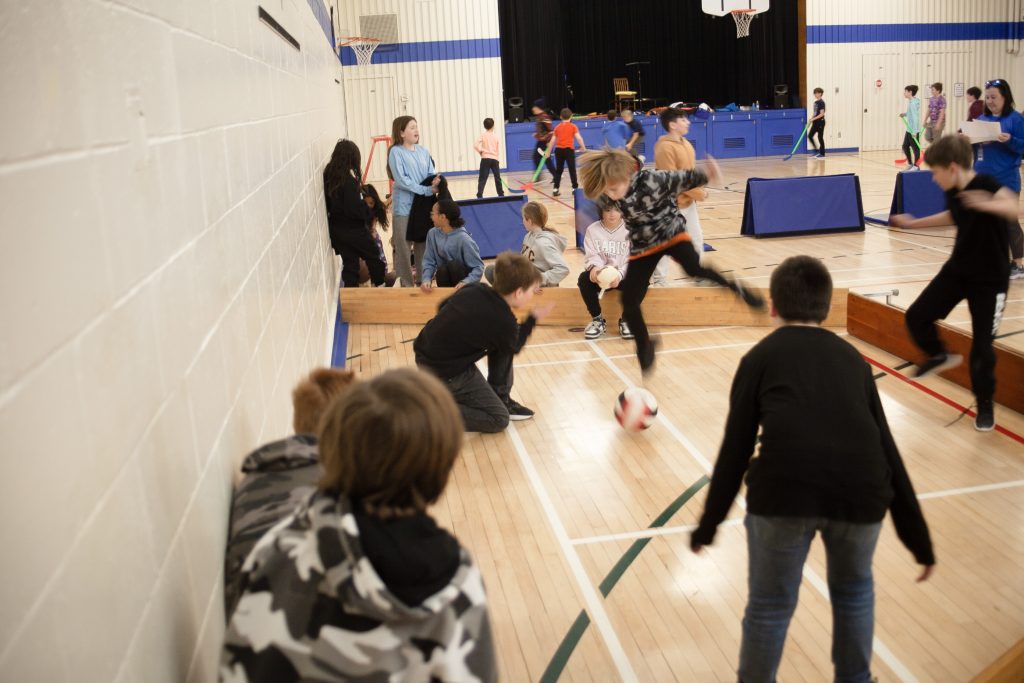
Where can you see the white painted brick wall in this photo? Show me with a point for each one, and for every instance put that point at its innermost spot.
(167, 278)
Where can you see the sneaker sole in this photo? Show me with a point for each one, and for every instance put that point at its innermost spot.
(952, 361)
(519, 418)
(983, 429)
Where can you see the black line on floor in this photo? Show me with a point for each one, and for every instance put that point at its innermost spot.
(381, 348)
(1008, 334)
(358, 355)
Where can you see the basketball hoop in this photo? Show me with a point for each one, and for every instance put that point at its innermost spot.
(363, 47)
(743, 17)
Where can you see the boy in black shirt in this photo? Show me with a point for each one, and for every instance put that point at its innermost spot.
(478, 321)
(827, 462)
(818, 124)
(977, 270)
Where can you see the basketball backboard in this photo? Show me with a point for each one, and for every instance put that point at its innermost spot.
(720, 8)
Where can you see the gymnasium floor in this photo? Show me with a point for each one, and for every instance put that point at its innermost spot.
(567, 513)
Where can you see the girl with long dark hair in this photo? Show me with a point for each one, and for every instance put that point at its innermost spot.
(349, 217)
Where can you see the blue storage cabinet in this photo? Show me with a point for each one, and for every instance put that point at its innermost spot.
(698, 137)
(779, 132)
(733, 138)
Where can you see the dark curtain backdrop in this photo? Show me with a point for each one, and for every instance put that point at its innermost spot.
(694, 57)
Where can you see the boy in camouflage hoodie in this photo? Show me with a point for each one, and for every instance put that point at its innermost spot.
(359, 583)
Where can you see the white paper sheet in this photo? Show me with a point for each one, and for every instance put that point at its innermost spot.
(981, 131)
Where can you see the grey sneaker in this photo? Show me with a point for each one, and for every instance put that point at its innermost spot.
(1016, 272)
(595, 329)
(943, 361)
(624, 330)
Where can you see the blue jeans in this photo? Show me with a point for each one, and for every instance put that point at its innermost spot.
(778, 549)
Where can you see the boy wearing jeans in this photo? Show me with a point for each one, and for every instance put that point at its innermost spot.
(827, 463)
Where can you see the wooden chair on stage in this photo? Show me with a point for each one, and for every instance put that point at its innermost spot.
(623, 94)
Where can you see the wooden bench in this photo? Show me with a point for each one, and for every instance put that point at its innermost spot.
(684, 306)
(884, 326)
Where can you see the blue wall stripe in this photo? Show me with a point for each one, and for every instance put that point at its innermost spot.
(432, 51)
(909, 33)
(340, 348)
(323, 17)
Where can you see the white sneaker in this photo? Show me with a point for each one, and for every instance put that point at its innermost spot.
(595, 329)
(624, 330)
(1016, 272)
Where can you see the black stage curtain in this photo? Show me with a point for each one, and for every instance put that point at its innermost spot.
(568, 51)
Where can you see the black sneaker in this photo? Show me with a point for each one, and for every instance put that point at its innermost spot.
(646, 355)
(938, 363)
(518, 411)
(750, 297)
(985, 420)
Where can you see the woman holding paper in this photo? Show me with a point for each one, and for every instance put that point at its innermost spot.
(1001, 157)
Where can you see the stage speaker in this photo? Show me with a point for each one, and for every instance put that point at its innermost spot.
(781, 96)
(515, 110)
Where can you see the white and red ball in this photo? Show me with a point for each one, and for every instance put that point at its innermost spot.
(636, 409)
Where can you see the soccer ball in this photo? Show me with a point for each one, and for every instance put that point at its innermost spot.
(636, 409)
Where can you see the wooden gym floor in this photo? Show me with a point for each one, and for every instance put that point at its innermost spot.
(581, 530)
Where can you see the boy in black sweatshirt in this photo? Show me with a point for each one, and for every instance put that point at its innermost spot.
(478, 321)
(827, 462)
(977, 270)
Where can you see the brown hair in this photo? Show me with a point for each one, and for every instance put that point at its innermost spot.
(949, 150)
(565, 114)
(801, 289)
(514, 271)
(390, 442)
(537, 214)
(937, 86)
(600, 167)
(819, 91)
(311, 396)
(398, 126)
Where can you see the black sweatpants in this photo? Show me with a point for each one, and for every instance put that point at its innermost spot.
(450, 274)
(986, 304)
(489, 166)
(354, 244)
(819, 128)
(548, 163)
(589, 291)
(909, 146)
(638, 278)
(565, 156)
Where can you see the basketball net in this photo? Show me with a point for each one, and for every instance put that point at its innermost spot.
(743, 17)
(363, 47)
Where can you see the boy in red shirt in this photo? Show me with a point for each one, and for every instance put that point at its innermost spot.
(566, 134)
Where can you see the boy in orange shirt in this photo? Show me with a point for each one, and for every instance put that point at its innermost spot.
(566, 134)
(487, 147)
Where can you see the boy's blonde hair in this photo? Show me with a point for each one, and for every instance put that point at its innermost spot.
(514, 271)
(601, 167)
(390, 442)
(537, 214)
(311, 396)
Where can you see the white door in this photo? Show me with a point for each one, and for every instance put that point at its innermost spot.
(947, 68)
(371, 105)
(882, 87)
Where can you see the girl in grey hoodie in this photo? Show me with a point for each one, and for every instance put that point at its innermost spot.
(451, 256)
(543, 246)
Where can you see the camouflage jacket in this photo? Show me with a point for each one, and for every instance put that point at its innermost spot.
(649, 207)
(278, 477)
(314, 609)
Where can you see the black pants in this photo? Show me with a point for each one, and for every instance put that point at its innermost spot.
(548, 163)
(450, 274)
(484, 402)
(489, 166)
(565, 156)
(355, 244)
(986, 304)
(910, 146)
(638, 278)
(819, 128)
(590, 291)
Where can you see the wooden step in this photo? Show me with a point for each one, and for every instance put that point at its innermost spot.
(884, 326)
(685, 306)
(1009, 668)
